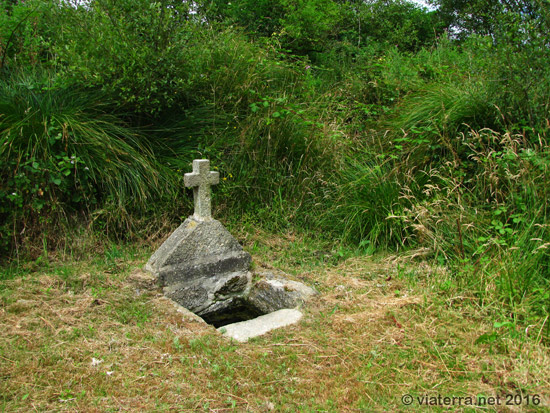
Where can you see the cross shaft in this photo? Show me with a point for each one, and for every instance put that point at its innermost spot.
(200, 180)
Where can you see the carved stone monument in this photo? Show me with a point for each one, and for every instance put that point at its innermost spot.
(201, 266)
(204, 269)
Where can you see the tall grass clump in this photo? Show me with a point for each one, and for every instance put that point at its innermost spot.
(361, 204)
(426, 124)
(63, 151)
(486, 217)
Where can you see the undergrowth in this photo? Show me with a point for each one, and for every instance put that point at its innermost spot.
(430, 143)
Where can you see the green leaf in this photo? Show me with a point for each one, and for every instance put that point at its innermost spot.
(486, 338)
(503, 324)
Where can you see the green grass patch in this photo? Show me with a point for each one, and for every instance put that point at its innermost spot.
(382, 327)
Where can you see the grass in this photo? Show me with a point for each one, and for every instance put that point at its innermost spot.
(94, 336)
(44, 122)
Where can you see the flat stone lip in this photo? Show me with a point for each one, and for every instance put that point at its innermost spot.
(245, 330)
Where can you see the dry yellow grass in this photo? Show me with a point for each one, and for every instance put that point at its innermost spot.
(87, 338)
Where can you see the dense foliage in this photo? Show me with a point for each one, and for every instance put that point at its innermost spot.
(376, 123)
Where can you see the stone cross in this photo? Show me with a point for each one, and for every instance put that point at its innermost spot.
(200, 180)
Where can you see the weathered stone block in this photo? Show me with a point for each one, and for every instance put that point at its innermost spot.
(274, 292)
(201, 265)
(197, 249)
(210, 294)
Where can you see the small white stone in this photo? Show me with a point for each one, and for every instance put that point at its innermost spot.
(96, 362)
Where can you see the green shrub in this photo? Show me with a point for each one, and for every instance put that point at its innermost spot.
(136, 51)
(22, 33)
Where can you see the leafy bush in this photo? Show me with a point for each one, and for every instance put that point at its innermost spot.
(397, 23)
(22, 33)
(136, 51)
(256, 125)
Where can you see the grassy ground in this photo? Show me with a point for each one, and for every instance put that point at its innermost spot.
(94, 336)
